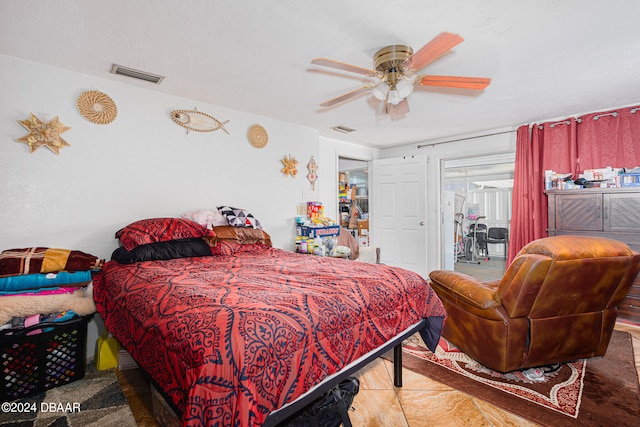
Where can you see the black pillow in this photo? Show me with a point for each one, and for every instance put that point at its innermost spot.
(162, 251)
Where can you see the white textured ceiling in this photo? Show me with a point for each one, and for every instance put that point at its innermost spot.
(546, 58)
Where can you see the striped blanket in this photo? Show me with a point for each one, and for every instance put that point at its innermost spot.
(15, 262)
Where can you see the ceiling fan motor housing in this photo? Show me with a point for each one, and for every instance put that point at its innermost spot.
(389, 60)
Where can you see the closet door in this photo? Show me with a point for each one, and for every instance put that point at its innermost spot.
(398, 212)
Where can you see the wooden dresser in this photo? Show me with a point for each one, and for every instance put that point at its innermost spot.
(606, 212)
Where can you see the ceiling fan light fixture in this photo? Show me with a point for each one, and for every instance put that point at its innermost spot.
(380, 91)
(404, 88)
(393, 93)
(394, 98)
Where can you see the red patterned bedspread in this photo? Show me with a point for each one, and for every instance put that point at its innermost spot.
(232, 338)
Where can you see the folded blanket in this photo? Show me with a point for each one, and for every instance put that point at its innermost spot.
(48, 280)
(45, 260)
(42, 291)
(80, 301)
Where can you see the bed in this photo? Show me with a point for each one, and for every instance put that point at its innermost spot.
(246, 334)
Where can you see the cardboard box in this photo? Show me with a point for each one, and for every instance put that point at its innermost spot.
(320, 231)
(315, 210)
(630, 180)
(602, 174)
(363, 227)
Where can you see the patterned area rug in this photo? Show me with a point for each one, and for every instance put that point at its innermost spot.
(96, 400)
(593, 392)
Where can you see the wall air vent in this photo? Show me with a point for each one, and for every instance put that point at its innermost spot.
(342, 129)
(136, 74)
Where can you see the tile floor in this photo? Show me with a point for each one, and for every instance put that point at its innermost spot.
(420, 402)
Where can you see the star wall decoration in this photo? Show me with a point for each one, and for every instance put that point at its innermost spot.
(290, 164)
(41, 133)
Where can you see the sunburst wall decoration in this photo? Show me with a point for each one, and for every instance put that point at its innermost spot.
(97, 107)
(41, 133)
(290, 166)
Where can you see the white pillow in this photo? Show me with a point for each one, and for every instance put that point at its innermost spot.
(206, 218)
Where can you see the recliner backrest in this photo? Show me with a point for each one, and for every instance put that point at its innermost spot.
(565, 275)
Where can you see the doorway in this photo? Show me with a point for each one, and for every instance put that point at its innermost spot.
(479, 190)
(353, 197)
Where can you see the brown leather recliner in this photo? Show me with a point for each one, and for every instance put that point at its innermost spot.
(556, 302)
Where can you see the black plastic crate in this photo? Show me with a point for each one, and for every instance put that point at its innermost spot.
(34, 363)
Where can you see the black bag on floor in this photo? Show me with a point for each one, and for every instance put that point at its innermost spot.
(329, 410)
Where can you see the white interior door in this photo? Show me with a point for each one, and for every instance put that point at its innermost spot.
(398, 193)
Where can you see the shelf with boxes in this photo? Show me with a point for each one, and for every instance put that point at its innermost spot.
(316, 234)
(353, 198)
(593, 178)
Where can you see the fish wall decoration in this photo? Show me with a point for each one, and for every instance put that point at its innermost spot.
(197, 121)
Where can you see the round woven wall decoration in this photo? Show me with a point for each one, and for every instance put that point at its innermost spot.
(97, 107)
(258, 136)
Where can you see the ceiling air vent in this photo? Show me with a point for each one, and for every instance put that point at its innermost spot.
(136, 74)
(342, 129)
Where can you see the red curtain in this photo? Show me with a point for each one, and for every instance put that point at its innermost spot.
(549, 146)
(592, 141)
(610, 139)
(559, 146)
(522, 215)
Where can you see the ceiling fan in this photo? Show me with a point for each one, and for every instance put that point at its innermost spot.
(396, 67)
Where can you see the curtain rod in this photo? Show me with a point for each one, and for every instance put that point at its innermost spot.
(464, 139)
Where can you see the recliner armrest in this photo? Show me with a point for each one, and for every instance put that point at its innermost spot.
(474, 292)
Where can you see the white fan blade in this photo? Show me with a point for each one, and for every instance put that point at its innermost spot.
(346, 96)
(344, 66)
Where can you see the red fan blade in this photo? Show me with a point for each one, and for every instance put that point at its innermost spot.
(346, 96)
(343, 66)
(475, 83)
(432, 50)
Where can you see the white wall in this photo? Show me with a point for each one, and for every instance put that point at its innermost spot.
(478, 145)
(141, 165)
(144, 165)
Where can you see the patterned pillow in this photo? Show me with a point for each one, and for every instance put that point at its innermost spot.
(239, 217)
(154, 230)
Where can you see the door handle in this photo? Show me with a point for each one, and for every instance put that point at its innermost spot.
(422, 223)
